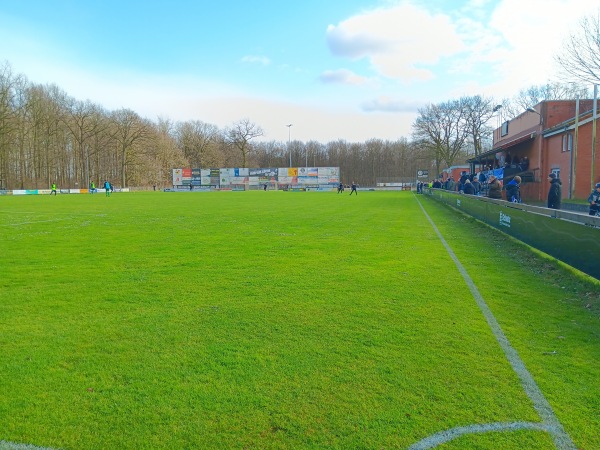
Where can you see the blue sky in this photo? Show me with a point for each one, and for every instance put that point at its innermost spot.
(347, 69)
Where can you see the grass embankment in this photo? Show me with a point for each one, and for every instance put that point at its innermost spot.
(278, 320)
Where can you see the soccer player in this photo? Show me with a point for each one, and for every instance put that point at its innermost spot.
(107, 188)
(53, 189)
(353, 188)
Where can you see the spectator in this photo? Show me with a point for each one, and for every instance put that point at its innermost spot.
(476, 185)
(555, 192)
(513, 190)
(594, 201)
(451, 184)
(468, 187)
(494, 188)
(437, 184)
(524, 163)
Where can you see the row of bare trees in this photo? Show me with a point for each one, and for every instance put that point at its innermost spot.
(47, 137)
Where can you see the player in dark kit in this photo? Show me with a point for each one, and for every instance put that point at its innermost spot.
(353, 189)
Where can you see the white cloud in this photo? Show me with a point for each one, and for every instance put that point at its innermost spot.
(523, 38)
(401, 42)
(342, 76)
(388, 104)
(256, 59)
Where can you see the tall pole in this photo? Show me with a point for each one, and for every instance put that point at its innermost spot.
(289, 141)
(595, 113)
(574, 151)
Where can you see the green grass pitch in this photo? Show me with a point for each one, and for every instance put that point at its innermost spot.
(280, 320)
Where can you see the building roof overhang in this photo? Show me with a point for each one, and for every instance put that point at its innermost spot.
(503, 145)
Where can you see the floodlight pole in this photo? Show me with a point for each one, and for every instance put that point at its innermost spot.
(289, 136)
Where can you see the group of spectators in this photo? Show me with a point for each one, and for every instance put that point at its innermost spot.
(478, 184)
(472, 184)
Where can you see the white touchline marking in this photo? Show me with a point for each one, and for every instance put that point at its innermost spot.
(550, 422)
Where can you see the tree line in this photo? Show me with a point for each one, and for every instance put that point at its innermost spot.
(47, 136)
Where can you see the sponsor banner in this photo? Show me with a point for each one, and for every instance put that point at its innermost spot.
(306, 180)
(308, 172)
(19, 192)
(5, 192)
(231, 176)
(329, 171)
(177, 177)
(227, 173)
(266, 173)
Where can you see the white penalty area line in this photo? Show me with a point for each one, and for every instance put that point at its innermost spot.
(550, 422)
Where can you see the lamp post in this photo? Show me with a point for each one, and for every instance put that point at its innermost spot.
(289, 135)
(541, 140)
(497, 109)
(530, 109)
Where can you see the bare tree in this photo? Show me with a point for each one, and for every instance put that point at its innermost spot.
(84, 123)
(129, 130)
(531, 96)
(198, 141)
(9, 91)
(580, 57)
(440, 130)
(478, 111)
(240, 134)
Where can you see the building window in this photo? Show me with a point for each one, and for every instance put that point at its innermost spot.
(567, 142)
(504, 129)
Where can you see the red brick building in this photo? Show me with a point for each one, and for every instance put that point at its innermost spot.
(553, 138)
